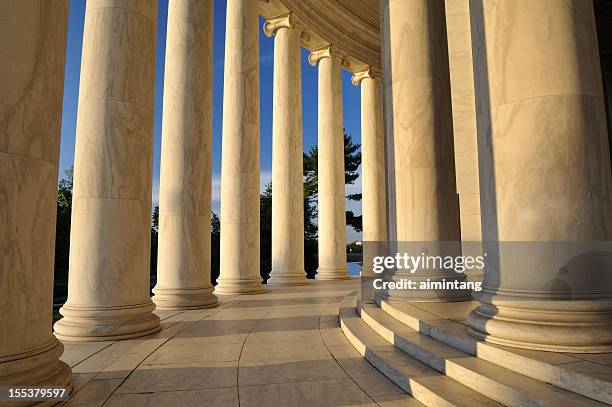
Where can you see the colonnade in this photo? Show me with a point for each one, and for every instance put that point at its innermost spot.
(543, 158)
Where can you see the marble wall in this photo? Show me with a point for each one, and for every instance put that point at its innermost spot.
(464, 126)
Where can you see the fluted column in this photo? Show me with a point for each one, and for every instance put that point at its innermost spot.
(330, 171)
(240, 156)
(424, 196)
(287, 166)
(374, 191)
(545, 178)
(32, 60)
(108, 284)
(183, 266)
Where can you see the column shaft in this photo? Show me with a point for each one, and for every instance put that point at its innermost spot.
(108, 287)
(373, 169)
(374, 209)
(424, 196)
(32, 61)
(287, 166)
(183, 267)
(330, 171)
(240, 156)
(544, 176)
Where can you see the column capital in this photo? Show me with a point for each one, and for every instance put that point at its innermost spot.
(328, 52)
(369, 72)
(271, 26)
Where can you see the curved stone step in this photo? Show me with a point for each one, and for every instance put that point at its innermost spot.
(500, 384)
(564, 371)
(422, 382)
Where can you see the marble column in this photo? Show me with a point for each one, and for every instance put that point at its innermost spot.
(374, 191)
(287, 156)
(183, 266)
(32, 60)
(330, 170)
(424, 201)
(108, 284)
(240, 153)
(464, 127)
(545, 181)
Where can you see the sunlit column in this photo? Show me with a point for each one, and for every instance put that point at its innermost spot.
(108, 286)
(374, 210)
(544, 177)
(183, 266)
(287, 166)
(424, 198)
(331, 195)
(32, 61)
(240, 156)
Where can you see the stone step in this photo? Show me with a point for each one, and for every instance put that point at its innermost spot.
(425, 384)
(500, 384)
(565, 371)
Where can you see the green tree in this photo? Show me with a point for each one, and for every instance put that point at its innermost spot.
(265, 233)
(154, 242)
(62, 233)
(352, 161)
(215, 242)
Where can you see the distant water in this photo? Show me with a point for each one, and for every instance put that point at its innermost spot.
(354, 269)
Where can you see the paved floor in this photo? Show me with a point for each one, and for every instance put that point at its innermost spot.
(282, 348)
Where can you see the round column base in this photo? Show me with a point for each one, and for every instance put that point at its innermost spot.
(332, 274)
(241, 286)
(279, 278)
(579, 326)
(175, 299)
(39, 367)
(106, 324)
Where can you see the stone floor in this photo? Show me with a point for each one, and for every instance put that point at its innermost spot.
(281, 348)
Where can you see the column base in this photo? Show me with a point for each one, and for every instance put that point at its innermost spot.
(279, 278)
(39, 367)
(106, 324)
(241, 286)
(172, 299)
(332, 274)
(576, 326)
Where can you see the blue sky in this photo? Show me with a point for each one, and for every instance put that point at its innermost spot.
(350, 96)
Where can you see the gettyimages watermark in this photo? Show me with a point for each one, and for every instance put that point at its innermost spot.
(439, 263)
(426, 270)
